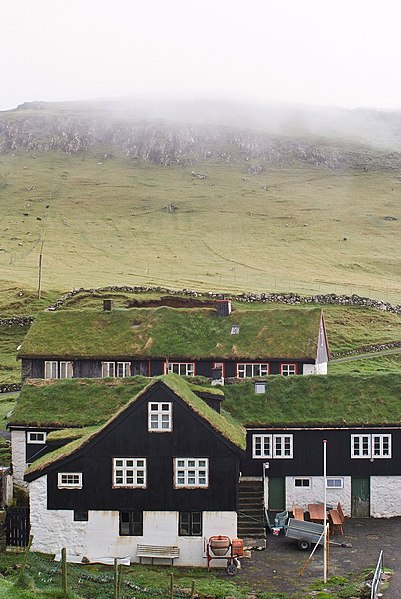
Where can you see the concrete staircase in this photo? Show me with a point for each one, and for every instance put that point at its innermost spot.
(250, 512)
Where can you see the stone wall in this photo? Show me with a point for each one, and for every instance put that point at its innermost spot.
(21, 321)
(10, 388)
(280, 298)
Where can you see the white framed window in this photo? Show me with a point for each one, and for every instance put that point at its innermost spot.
(288, 369)
(65, 370)
(38, 437)
(302, 482)
(371, 446)
(129, 472)
(334, 483)
(381, 446)
(58, 370)
(116, 369)
(191, 472)
(51, 369)
(108, 369)
(262, 446)
(69, 480)
(272, 446)
(160, 417)
(182, 368)
(250, 370)
(282, 446)
(123, 369)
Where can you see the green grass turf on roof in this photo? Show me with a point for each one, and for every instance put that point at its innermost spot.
(230, 429)
(73, 402)
(160, 332)
(338, 400)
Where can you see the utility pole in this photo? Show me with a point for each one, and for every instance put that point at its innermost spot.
(40, 269)
(325, 509)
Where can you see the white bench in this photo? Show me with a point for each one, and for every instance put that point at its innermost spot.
(159, 551)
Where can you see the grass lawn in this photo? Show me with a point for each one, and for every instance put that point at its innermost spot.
(143, 582)
(389, 363)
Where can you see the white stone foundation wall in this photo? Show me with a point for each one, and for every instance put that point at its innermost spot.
(18, 457)
(301, 496)
(99, 536)
(308, 369)
(385, 494)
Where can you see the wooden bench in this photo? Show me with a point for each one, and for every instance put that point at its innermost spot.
(158, 551)
(337, 518)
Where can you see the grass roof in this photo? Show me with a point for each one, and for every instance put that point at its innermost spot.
(73, 402)
(177, 333)
(338, 400)
(230, 429)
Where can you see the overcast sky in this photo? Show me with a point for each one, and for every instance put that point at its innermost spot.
(323, 52)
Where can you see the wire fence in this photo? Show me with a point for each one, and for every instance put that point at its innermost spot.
(98, 581)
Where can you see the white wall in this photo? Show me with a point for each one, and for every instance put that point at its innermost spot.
(301, 496)
(385, 494)
(18, 457)
(321, 368)
(315, 368)
(54, 529)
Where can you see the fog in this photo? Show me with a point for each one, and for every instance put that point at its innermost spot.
(344, 53)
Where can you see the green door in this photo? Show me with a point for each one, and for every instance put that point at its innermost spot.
(277, 493)
(360, 497)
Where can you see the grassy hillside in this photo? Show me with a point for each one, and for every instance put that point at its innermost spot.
(297, 228)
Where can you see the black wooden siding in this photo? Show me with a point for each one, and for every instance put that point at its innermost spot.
(35, 368)
(128, 436)
(308, 454)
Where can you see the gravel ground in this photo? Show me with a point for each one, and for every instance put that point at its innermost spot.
(277, 568)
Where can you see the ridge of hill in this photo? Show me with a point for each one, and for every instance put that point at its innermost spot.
(190, 133)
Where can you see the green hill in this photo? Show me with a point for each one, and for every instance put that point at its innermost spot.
(271, 202)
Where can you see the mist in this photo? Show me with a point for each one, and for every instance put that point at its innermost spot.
(344, 54)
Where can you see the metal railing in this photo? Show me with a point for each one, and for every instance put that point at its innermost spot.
(377, 578)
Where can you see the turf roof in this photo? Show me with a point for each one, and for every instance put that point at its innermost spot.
(230, 429)
(332, 400)
(177, 333)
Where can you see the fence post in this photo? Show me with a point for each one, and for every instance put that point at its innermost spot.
(64, 570)
(25, 560)
(171, 585)
(193, 590)
(120, 579)
(115, 579)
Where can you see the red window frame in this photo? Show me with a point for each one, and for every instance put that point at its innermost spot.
(223, 367)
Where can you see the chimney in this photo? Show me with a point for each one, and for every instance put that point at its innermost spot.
(107, 304)
(224, 307)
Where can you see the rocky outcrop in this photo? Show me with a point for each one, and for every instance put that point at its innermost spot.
(36, 130)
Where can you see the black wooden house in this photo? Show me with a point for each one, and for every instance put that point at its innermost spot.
(163, 470)
(243, 343)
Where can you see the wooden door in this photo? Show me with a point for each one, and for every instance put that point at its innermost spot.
(277, 493)
(360, 497)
